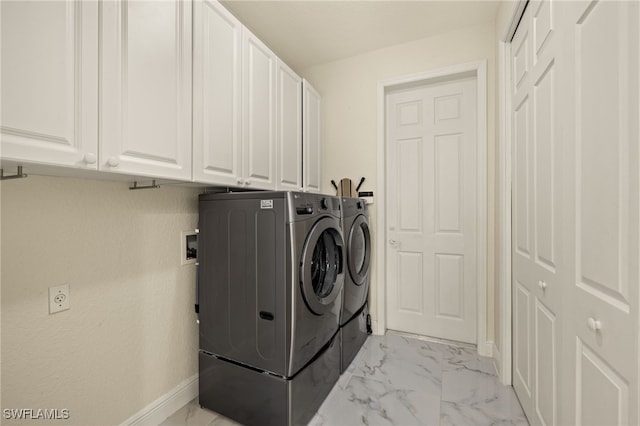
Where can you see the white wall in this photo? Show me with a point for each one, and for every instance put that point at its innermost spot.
(349, 122)
(130, 335)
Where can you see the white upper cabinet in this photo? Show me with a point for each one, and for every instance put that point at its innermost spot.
(259, 113)
(173, 89)
(217, 101)
(234, 102)
(311, 138)
(145, 103)
(289, 129)
(50, 82)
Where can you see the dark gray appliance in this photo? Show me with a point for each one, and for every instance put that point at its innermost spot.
(354, 318)
(271, 273)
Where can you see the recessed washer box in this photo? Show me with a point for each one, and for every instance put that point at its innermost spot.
(188, 247)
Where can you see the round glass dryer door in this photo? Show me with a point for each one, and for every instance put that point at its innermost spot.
(359, 253)
(322, 266)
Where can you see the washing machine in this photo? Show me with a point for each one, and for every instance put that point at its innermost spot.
(271, 274)
(355, 324)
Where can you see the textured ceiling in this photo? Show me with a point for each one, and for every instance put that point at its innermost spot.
(306, 33)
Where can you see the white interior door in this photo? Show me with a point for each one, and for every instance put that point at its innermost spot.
(431, 210)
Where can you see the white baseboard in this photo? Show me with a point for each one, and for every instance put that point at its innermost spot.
(375, 329)
(163, 407)
(497, 361)
(485, 349)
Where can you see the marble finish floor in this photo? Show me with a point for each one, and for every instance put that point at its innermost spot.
(401, 380)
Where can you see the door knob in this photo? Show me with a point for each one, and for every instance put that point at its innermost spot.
(594, 324)
(113, 162)
(89, 158)
(393, 243)
(542, 285)
(247, 182)
(240, 181)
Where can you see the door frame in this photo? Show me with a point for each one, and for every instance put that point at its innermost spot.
(479, 70)
(503, 356)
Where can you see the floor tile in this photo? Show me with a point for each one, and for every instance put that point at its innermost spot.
(401, 363)
(190, 415)
(370, 402)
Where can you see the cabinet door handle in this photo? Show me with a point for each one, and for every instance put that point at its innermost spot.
(240, 181)
(113, 162)
(89, 158)
(542, 285)
(247, 182)
(393, 243)
(594, 324)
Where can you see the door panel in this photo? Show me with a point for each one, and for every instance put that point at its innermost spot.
(522, 341)
(449, 286)
(449, 183)
(431, 145)
(602, 395)
(544, 180)
(410, 266)
(521, 179)
(546, 364)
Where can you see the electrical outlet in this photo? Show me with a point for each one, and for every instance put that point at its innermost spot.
(58, 298)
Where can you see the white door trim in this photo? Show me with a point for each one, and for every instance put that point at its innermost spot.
(480, 70)
(504, 194)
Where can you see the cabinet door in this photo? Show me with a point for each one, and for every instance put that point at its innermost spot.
(259, 100)
(289, 129)
(146, 88)
(50, 82)
(310, 137)
(217, 99)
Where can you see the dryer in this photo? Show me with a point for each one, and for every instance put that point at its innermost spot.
(354, 317)
(271, 274)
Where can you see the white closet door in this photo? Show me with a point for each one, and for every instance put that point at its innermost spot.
(576, 203)
(538, 267)
(601, 119)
